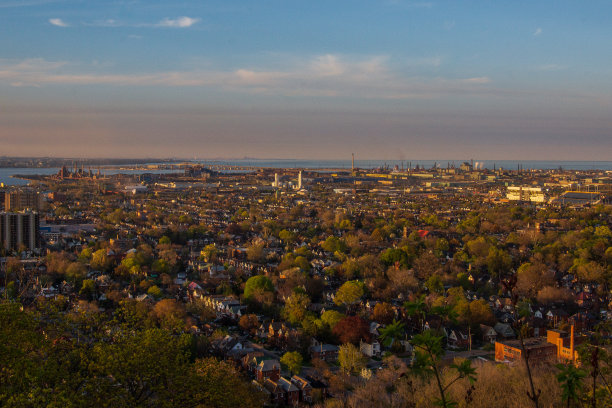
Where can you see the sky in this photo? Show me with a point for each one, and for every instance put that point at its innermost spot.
(387, 79)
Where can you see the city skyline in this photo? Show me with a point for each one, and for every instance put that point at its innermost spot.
(393, 80)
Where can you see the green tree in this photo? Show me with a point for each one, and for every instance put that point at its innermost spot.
(255, 284)
(219, 385)
(296, 307)
(350, 358)
(571, 380)
(293, 360)
(155, 292)
(101, 261)
(392, 332)
(428, 361)
(331, 318)
(88, 289)
(349, 293)
(434, 284)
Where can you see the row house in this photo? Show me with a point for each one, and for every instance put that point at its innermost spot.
(267, 369)
(325, 352)
(282, 391)
(224, 306)
(304, 387)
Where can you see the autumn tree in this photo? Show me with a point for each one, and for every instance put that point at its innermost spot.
(350, 358)
(249, 323)
(533, 277)
(383, 313)
(170, 314)
(351, 329)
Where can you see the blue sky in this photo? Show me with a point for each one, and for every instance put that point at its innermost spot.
(389, 79)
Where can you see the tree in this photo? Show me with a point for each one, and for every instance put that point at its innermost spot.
(255, 252)
(293, 360)
(480, 312)
(498, 261)
(350, 358)
(155, 292)
(218, 385)
(296, 307)
(334, 244)
(551, 294)
(209, 253)
(428, 360)
(533, 277)
(170, 314)
(392, 256)
(383, 313)
(249, 323)
(349, 293)
(418, 309)
(288, 237)
(392, 332)
(76, 272)
(434, 284)
(144, 368)
(570, 378)
(100, 260)
(331, 318)
(255, 284)
(88, 289)
(351, 329)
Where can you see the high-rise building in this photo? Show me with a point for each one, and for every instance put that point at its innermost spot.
(299, 180)
(18, 200)
(18, 229)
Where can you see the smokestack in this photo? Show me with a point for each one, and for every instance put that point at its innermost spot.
(353, 163)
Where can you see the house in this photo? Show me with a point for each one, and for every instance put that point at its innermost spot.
(250, 360)
(282, 391)
(267, 369)
(489, 335)
(504, 330)
(304, 386)
(456, 338)
(229, 345)
(370, 349)
(325, 352)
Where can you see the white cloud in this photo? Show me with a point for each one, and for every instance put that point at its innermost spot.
(324, 75)
(58, 22)
(180, 22)
(537, 32)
